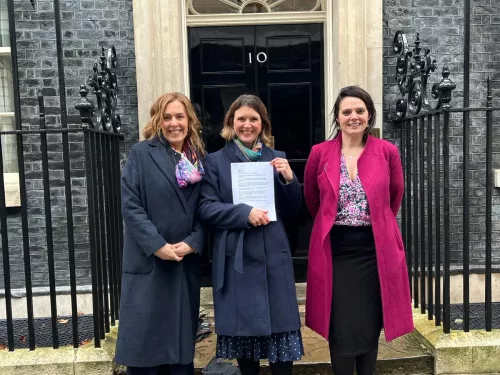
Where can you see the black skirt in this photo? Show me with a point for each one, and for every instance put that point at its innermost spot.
(356, 315)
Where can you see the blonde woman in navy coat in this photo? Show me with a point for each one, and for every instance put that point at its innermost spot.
(163, 240)
(256, 312)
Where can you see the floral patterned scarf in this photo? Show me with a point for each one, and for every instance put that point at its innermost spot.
(189, 169)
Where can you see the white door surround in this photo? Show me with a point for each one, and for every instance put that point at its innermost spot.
(352, 36)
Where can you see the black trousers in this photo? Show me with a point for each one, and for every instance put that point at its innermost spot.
(365, 363)
(162, 370)
(250, 367)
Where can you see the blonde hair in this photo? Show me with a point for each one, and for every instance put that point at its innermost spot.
(153, 127)
(256, 104)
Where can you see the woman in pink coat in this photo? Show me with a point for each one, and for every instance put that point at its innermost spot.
(357, 279)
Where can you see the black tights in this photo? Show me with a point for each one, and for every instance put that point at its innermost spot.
(162, 370)
(250, 367)
(365, 363)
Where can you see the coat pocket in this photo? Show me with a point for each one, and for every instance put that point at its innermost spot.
(135, 261)
(397, 234)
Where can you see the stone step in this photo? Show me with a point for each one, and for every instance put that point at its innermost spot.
(403, 356)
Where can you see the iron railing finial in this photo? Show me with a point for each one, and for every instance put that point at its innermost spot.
(445, 87)
(104, 84)
(413, 77)
(86, 108)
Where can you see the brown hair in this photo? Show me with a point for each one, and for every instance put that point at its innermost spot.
(153, 127)
(355, 92)
(256, 104)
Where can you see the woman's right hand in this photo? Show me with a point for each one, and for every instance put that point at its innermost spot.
(167, 253)
(258, 217)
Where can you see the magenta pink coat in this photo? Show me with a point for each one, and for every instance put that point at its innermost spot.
(381, 174)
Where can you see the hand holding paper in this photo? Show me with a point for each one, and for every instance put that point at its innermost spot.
(283, 167)
(253, 184)
(258, 217)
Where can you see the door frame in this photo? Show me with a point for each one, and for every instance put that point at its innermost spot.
(351, 57)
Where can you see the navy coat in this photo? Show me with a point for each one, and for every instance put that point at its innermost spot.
(254, 285)
(160, 299)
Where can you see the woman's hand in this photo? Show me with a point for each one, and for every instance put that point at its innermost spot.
(182, 249)
(258, 217)
(167, 252)
(283, 167)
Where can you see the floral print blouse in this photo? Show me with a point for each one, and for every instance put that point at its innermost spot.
(352, 209)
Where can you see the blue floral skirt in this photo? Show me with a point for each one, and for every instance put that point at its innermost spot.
(278, 347)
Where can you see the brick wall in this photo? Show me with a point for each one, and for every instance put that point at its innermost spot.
(440, 24)
(86, 26)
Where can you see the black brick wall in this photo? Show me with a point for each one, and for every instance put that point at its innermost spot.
(86, 26)
(440, 24)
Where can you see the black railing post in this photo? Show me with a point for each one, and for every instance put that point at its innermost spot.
(409, 228)
(446, 214)
(5, 256)
(48, 224)
(22, 178)
(101, 243)
(109, 229)
(421, 199)
(67, 174)
(437, 200)
(117, 174)
(113, 224)
(430, 302)
(89, 155)
(489, 202)
(416, 294)
(466, 169)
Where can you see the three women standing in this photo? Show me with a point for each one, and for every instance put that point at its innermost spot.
(256, 312)
(160, 297)
(357, 277)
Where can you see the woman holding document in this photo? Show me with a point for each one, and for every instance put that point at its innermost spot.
(256, 312)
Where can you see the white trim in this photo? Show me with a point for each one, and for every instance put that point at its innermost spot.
(185, 51)
(233, 19)
(329, 66)
(4, 51)
(6, 114)
(248, 2)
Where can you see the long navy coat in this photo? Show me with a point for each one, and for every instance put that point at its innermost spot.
(254, 286)
(160, 299)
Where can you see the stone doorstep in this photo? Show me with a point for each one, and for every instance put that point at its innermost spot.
(465, 353)
(403, 356)
(86, 360)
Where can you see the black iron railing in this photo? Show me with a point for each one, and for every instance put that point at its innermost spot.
(100, 141)
(426, 210)
(102, 168)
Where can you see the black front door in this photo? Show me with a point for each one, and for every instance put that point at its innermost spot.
(283, 65)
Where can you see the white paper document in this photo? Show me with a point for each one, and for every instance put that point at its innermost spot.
(253, 184)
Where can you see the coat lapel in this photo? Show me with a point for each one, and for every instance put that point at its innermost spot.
(332, 168)
(165, 164)
(238, 153)
(267, 154)
(365, 171)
